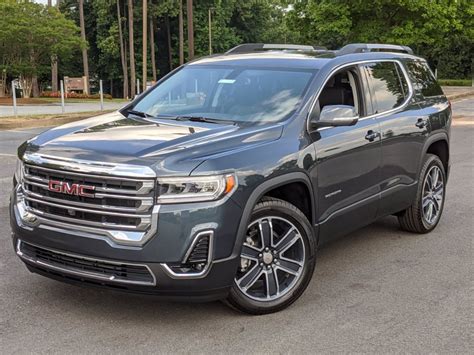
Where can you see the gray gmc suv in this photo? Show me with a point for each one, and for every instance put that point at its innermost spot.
(222, 180)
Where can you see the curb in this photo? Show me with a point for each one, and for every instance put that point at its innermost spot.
(460, 95)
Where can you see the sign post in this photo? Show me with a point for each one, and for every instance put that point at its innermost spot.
(15, 112)
(101, 92)
(62, 96)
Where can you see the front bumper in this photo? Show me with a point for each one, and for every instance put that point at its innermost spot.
(177, 228)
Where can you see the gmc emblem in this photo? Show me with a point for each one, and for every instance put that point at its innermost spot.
(70, 189)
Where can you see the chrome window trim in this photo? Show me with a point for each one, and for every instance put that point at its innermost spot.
(87, 274)
(375, 115)
(207, 267)
(111, 170)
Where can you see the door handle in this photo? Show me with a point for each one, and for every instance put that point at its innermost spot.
(421, 123)
(371, 135)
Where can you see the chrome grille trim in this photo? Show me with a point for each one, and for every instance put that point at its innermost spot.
(67, 269)
(146, 186)
(89, 167)
(121, 208)
(145, 204)
(79, 209)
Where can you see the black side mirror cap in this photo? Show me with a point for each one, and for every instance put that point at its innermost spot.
(334, 123)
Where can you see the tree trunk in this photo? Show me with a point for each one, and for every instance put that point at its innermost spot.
(123, 56)
(34, 86)
(144, 40)
(189, 13)
(54, 73)
(133, 76)
(54, 64)
(26, 83)
(168, 37)
(152, 49)
(85, 60)
(181, 33)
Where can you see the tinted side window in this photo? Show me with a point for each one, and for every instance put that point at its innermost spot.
(423, 79)
(388, 84)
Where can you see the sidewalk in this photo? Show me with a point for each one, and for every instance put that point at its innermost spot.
(455, 92)
(55, 108)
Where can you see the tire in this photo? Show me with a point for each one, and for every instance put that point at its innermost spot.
(416, 219)
(279, 246)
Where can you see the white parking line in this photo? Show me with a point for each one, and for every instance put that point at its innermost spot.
(7, 155)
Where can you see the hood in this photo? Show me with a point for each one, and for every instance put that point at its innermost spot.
(169, 147)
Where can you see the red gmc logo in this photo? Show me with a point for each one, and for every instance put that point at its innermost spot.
(70, 189)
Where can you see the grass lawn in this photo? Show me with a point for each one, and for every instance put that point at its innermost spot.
(46, 120)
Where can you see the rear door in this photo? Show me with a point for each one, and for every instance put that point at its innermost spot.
(403, 129)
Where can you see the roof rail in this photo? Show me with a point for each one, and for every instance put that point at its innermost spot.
(261, 47)
(373, 47)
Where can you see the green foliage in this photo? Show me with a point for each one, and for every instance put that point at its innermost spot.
(442, 31)
(455, 82)
(30, 34)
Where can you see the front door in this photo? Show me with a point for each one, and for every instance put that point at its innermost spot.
(347, 173)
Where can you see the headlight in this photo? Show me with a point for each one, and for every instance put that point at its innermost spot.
(195, 188)
(19, 171)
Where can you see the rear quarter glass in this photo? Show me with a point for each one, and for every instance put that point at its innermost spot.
(424, 82)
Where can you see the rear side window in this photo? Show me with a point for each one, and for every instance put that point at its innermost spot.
(423, 79)
(388, 84)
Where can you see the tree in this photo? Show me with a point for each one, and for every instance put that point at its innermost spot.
(123, 57)
(54, 66)
(144, 40)
(181, 33)
(85, 60)
(152, 49)
(189, 14)
(133, 76)
(29, 36)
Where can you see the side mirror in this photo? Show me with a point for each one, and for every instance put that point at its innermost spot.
(335, 116)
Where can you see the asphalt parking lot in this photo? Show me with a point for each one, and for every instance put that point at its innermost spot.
(378, 290)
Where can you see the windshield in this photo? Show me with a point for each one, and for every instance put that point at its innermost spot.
(228, 93)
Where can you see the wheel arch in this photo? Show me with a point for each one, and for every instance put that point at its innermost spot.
(262, 190)
(438, 145)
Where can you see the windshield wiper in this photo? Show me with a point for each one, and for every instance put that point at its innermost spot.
(203, 119)
(139, 113)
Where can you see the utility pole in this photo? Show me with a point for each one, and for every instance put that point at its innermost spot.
(131, 51)
(189, 13)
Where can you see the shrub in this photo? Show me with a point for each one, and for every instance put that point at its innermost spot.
(73, 95)
(454, 82)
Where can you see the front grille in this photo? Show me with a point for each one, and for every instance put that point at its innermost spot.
(87, 267)
(117, 203)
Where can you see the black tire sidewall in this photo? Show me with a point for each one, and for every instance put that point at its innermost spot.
(279, 208)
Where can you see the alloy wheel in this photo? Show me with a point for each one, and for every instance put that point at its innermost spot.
(272, 259)
(433, 195)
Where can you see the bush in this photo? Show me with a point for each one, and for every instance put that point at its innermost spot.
(455, 82)
(73, 95)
